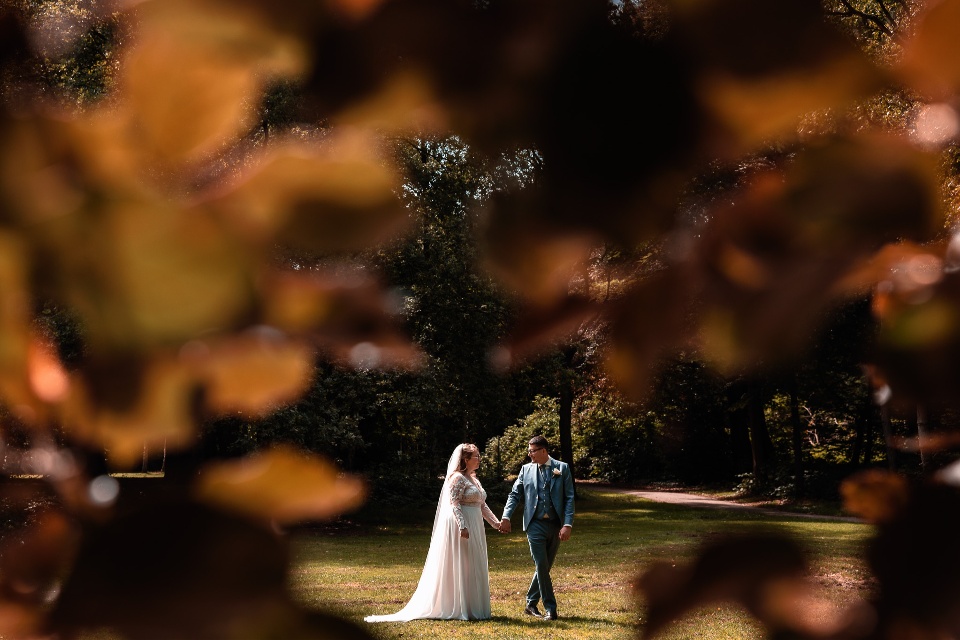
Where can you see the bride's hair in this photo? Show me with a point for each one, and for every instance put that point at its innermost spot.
(470, 449)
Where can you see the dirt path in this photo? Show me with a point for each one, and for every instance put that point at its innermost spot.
(706, 502)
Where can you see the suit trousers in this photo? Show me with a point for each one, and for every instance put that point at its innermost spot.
(544, 538)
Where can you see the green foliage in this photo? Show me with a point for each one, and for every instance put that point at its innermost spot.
(694, 442)
(509, 451)
(85, 73)
(619, 439)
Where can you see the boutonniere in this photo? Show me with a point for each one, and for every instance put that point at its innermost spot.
(556, 472)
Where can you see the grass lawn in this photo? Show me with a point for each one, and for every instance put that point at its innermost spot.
(375, 568)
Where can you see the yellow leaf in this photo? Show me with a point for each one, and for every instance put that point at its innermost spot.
(252, 373)
(931, 58)
(194, 75)
(338, 195)
(280, 484)
(352, 318)
(160, 413)
(404, 104)
(151, 274)
(537, 262)
(758, 110)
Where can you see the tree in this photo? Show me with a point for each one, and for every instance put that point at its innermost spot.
(154, 219)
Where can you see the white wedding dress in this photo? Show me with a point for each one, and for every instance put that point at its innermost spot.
(455, 582)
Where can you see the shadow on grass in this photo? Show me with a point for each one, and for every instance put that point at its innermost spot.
(527, 622)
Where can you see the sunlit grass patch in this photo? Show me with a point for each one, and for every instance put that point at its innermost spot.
(376, 568)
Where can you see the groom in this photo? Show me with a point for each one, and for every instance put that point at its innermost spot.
(547, 489)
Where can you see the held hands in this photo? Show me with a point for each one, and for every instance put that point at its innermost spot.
(504, 526)
(465, 533)
(565, 533)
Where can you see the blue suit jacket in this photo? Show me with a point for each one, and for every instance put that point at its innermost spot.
(561, 491)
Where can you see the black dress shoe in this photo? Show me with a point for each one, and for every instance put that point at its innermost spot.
(532, 610)
(551, 615)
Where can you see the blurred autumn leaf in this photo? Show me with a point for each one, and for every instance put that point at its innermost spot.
(32, 564)
(156, 216)
(282, 484)
(875, 496)
(337, 195)
(180, 570)
(916, 563)
(752, 571)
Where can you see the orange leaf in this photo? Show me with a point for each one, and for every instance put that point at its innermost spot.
(252, 373)
(339, 195)
(931, 58)
(48, 379)
(281, 484)
(352, 318)
(151, 274)
(876, 496)
(195, 72)
(157, 410)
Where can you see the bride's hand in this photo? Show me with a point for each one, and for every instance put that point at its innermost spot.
(464, 533)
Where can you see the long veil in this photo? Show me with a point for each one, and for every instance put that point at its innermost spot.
(436, 596)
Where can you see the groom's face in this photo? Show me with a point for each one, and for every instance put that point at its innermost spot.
(537, 454)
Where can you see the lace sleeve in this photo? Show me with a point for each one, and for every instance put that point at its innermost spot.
(457, 489)
(486, 511)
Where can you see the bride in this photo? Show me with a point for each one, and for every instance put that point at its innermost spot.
(454, 584)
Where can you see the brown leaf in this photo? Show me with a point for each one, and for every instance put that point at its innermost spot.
(882, 266)
(335, 196)
(34, 560)
(155, 407)
(751, 570)
(406, 104)
(763, 65)
(645, 325)
(874, 495)
(917, 563)
(927, 443)
(175, 570)
(253, 373)
(281, 484)
(918, 341)
(929, 61)
(768, 263)
(16, 341)
(758, 110)
(539, 329)
(48, 379)
(535, 260)
(194, 73)
(350, 317)
(37, 180)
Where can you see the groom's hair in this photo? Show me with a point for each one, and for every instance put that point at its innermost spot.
(540, 441)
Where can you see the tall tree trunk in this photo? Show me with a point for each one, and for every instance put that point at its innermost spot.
(888, 437)
(738, 423)
(566, 419)
(799, 486)
(871, 422)
(760, 443)
(922, 435)
(863, 430)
